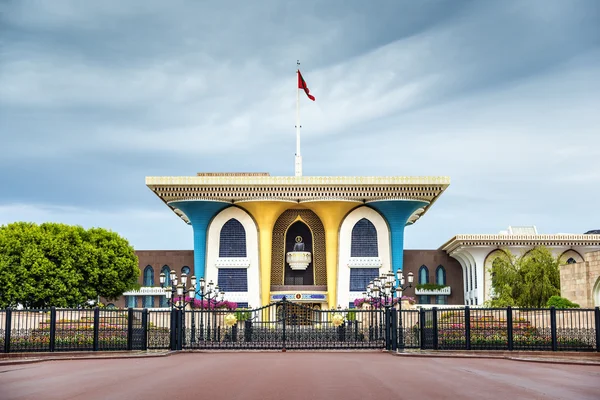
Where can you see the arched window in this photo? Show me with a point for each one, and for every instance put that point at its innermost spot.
(440, 275)
(571, 260)
(163, 302)
(232, 242)
(185, 270)
(440, 279)
(423, 275)
(167, 271)
(131, 302)
(149, 276)
(364, 239)
(423, 278)
(110, 305)
(148, 301)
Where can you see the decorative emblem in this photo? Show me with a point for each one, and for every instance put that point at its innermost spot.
(298, 296)
(337, 320)
(230, 320)
(298, 239)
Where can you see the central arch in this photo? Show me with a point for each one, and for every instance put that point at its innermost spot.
(289, 224)
(290, 276)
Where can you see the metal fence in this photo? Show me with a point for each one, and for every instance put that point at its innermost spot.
(511, 329)
(288, 325)
(55, 329)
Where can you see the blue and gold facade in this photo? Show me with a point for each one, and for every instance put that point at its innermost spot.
(353, 227)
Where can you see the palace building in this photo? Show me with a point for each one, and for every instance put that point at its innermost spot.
(319, 240)
(316, 240)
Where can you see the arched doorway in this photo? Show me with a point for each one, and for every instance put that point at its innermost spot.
(299, 232)
(292, 223)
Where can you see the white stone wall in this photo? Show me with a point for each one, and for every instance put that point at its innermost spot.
(252, 297)
(345, 262)
(477, 260)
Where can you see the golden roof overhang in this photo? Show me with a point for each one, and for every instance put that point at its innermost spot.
(234, 188)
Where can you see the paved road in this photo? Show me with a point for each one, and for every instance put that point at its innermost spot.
(302, 376)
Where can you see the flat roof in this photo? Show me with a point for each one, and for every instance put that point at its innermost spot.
(244, 187)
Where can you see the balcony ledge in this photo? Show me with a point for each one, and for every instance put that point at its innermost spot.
(445, 291)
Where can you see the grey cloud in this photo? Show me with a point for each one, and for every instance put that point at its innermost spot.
(96, 95)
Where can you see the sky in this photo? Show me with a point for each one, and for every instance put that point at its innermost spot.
(502, 96)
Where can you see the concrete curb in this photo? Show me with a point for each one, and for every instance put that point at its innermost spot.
(552, 359)
(70, 357)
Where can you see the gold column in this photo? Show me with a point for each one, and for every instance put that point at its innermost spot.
(331, 214)
(265, 214)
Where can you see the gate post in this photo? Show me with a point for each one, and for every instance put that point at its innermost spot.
(467, 328)
(248, 330)
(96, 328)
(387, 324)
(284, 313)
(435, 328)
(180, 329)
(145, 329)
(509, 327)
(130, 328)
(173, 331)
(422, 329)
(52, 343)
(597, 314)
(394, 328)
(9, 327)
(553, 328)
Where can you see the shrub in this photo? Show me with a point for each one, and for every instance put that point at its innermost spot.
(561, 302)
(430, 286)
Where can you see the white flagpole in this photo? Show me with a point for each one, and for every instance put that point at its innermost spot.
(298, 161)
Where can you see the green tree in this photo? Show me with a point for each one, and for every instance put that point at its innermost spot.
(528, 280)
(60, 265)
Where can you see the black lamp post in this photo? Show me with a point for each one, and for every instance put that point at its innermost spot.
(210, 292)
(381, 291)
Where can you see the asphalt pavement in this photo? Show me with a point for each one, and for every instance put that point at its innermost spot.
(297, 376)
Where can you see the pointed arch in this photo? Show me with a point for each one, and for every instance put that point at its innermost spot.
(351, 267)
(232, 240)
(285, 220)
(423, 275)
(570, 257)
(167, 271)
(423, 278)
(440, 275)
(148, 276)
(237, 267)
(364, 239)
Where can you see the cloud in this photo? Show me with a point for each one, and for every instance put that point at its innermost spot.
(501, 96)
(133, 224)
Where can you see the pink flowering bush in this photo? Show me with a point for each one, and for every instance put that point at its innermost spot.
(209, 304)
(376, 303)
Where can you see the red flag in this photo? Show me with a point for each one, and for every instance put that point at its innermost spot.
(302, 85)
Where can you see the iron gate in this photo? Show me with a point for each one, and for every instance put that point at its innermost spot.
(282, 325)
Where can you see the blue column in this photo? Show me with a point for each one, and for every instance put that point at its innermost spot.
(200, 213)
(397, 212)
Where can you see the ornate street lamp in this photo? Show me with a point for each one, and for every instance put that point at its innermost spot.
(382, 290)
(209, 293)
